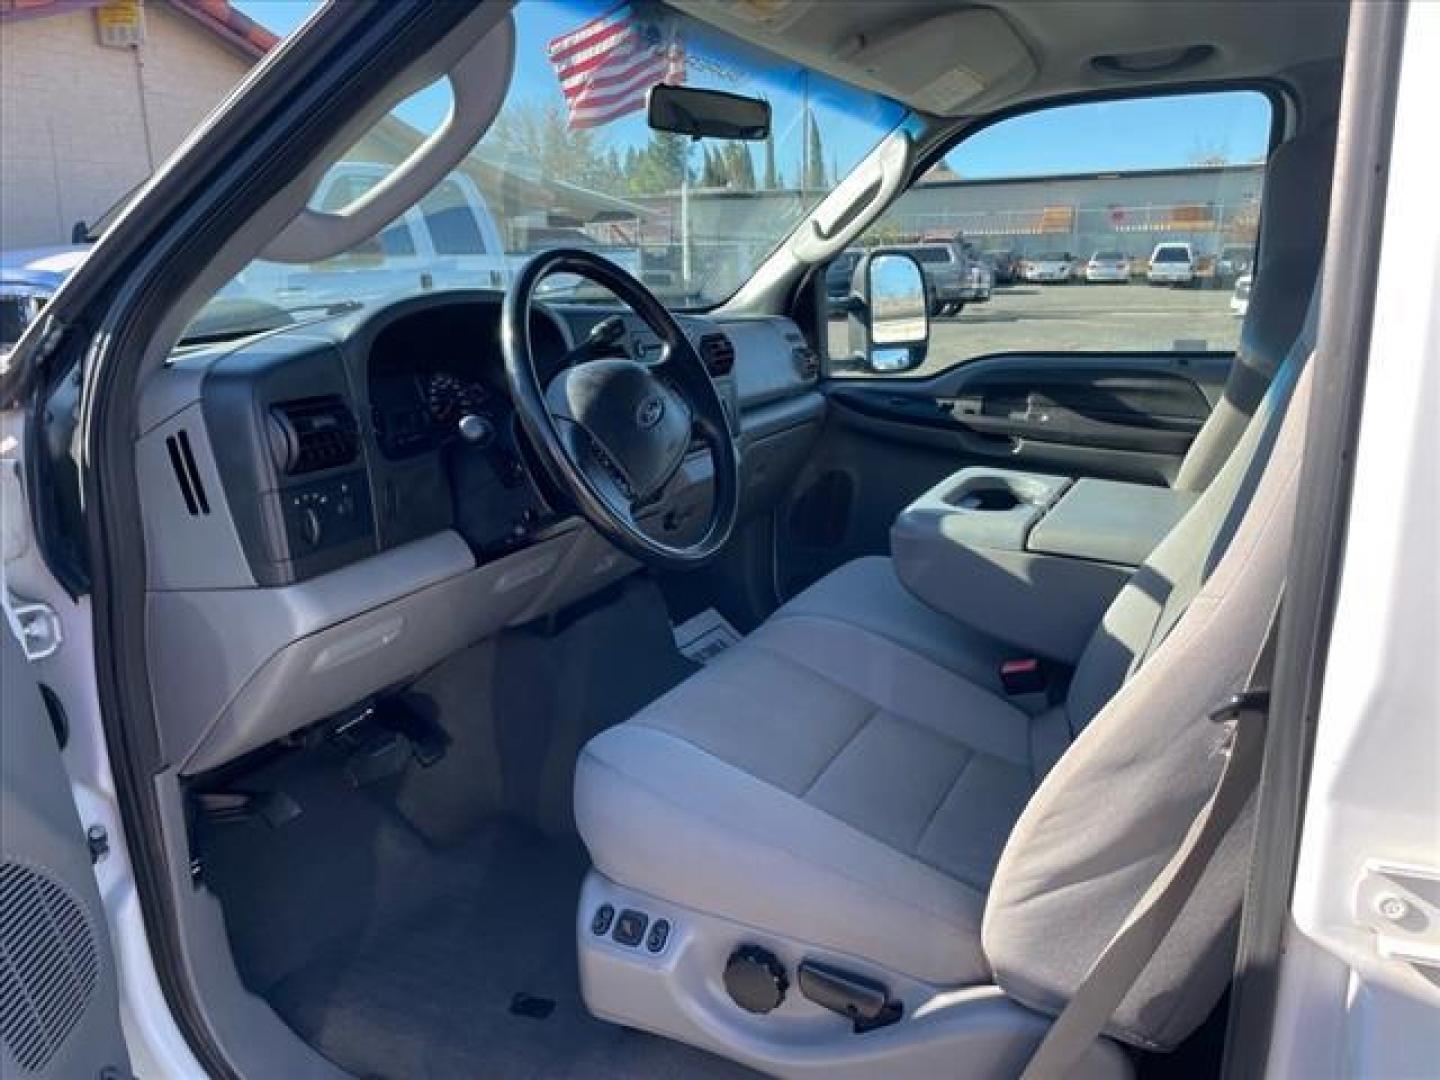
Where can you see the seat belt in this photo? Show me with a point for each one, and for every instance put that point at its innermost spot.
(1121, 962)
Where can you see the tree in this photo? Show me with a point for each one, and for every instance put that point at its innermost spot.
(537, 134)
(814, 155)
(660, 164)
(739, 168)
(713, 170)
(772, 178)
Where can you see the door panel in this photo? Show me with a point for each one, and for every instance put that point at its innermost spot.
(1129, 417)
(59, 1006)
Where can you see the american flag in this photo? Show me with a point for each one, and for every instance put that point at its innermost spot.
(607, 65)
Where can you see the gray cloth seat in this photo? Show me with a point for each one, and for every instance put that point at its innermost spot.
(851, 778)
(848, 759)
(1288, 252)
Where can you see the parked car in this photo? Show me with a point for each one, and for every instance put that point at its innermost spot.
(1240, 298)
(1111, 266)
(447, 240)
(955, 275)
(28, 279)
(1234, 261)
(1053, 267)
(1172, 264)
(1005, 265)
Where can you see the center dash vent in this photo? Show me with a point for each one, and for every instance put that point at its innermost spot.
(310, 434)
(718, 353)
(187, 473)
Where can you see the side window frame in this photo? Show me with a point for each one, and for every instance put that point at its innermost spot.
(1283, 121)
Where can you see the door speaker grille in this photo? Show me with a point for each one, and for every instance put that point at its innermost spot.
(48, 964)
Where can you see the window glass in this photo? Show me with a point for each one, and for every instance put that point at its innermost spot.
(1118, 226)
(344, 188)
(451, 221)
(14, 317)
(570, 161)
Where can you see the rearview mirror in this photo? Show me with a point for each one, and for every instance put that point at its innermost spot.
(889, 321)
(689, 110)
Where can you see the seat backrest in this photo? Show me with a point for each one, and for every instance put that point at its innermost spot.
(1178, 640)
(1292, 236)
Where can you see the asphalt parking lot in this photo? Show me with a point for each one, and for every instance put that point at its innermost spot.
(1076, 317)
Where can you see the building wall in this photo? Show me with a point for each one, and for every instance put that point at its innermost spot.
(1129, 212)
(83, 124)
(1006, 213)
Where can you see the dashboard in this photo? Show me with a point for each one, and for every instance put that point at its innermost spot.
(334, 507)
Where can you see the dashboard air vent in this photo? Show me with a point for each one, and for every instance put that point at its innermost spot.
(718, 353)
(187, 473)
(312, 434)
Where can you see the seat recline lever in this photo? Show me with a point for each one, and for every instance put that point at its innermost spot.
(863, 1000)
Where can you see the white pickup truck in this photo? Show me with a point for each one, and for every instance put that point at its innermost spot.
(447, 240)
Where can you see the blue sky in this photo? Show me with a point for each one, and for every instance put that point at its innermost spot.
(1120, 135)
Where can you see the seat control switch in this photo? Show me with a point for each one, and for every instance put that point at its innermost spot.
(602, 920)
(630, 927)
(860, 999)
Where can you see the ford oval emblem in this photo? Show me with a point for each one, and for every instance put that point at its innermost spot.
(650, 412)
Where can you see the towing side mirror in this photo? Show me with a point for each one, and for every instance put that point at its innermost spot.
(889, 320)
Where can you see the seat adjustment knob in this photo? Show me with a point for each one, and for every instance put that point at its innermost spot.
(755, 979)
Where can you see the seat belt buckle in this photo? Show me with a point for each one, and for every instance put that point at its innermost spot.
(1023, 675)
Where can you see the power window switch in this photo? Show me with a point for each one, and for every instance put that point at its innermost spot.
(659, 934)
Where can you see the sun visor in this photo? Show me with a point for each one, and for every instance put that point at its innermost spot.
(948, 64)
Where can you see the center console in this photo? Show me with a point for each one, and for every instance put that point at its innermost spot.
(1031, 559)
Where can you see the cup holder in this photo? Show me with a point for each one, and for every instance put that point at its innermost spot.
(993, 499)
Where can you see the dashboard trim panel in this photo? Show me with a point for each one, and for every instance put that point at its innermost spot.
(254, 638)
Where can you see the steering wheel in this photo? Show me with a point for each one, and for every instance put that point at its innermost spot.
(612, 433)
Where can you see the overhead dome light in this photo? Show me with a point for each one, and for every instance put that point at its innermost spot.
(1153, 61)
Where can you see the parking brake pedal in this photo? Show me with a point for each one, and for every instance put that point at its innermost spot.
(862, 1000)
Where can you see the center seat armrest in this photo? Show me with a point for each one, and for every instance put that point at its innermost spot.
(1030, 559)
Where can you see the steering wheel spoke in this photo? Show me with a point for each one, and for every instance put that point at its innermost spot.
(604, 475)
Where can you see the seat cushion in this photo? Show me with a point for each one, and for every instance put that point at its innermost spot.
(834, 778)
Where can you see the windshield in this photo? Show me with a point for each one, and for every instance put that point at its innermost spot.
(570, 161)
(1171, 254)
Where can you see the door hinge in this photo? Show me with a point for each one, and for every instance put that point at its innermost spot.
(1401, 904)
